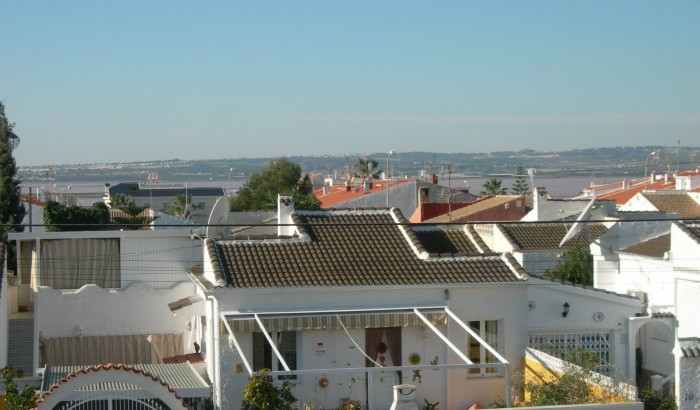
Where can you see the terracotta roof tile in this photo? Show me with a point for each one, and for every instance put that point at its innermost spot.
(622, 196)
(354, 249)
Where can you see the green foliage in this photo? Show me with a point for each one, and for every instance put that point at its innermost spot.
(262, 394)
(493, 187)
(576, 266)
(520, 185)
(656, 400)
(61, 218)
(366, 167)
(11, 209)
(347, 404)
(123, 202)
(280, 177)
(182, 206)
(571, 387)
(15, 399)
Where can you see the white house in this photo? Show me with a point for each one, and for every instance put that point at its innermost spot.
(99, 297)
(662, 269)
(346, 303)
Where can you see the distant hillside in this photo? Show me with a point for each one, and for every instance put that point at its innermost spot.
(617, 161)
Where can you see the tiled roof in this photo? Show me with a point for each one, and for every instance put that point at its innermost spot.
(133, 190)
(690, 346)
(622, 196)
(653, 248)
(691, 229)
(453, 241)
(337, 194)
(546, 237)
(351, 248)
(679, 203)
(469, 212)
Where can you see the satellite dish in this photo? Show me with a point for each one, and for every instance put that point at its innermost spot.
(218, 218)
(578, 225)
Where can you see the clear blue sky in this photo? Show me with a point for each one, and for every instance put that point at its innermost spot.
(89, 81)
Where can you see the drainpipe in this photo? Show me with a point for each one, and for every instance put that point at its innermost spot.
(215, 352)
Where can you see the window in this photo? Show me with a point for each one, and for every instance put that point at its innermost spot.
(265, 358)
(489, 331)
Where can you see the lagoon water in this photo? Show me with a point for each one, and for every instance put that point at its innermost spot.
(89, 192)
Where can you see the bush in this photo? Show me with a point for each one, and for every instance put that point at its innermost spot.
(15, 399)
(262, 394)
(654, 400)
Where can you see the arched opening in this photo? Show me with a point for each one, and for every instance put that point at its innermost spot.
(654, 341)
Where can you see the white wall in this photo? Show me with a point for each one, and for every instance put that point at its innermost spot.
(137, 309)
(549, 298)
(160, 262)
(653, 276)
(469, 303)
(688, 388)
(687, 289)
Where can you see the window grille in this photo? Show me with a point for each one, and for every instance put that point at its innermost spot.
(562, 344)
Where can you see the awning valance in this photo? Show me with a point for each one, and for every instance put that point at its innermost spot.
(323, 321)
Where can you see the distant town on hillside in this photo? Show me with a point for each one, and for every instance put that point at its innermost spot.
(596, 162)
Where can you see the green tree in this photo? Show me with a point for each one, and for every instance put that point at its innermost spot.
(182, 206)
(11, 209)
(493, 187)
(366, 167)
(61, 218)
(520, 185)
(15, 399)
(262, 394)
(123, 202)
(280, 177)
(576, 266)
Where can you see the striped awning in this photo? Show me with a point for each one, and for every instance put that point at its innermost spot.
(331, 321)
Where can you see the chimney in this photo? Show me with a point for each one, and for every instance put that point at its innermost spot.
(325, 189)
(285, 207)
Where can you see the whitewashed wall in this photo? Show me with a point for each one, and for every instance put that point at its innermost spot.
(137, 309)
(546, 316)
(688, 304)
(688, 388)
(160, 262)
(476, 303)
(651, 275)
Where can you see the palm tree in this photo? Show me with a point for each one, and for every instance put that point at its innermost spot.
(366, 167)
(493, 187)
(182, 206)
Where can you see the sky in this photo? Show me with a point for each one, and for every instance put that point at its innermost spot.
(122, 81)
